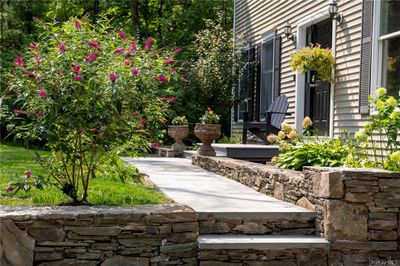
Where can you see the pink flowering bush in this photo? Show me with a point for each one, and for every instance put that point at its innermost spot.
(75, 90)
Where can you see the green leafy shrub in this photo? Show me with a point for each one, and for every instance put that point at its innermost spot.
(235, 139)
(86, 89)
(209, 117)
(314, 58)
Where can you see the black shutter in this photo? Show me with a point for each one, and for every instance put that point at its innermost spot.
(277, 68)
(250, 85)
(236, 107)
(258, 85)
(366, 54)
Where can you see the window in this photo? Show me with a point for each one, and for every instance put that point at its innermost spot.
(387, 46)
(244, 83)
(267, 71)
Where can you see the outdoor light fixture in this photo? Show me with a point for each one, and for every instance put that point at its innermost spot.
(333, 11)
(287, 30)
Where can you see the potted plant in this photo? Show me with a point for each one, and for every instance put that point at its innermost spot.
(314, 58)
(178, 131)
(208, 131)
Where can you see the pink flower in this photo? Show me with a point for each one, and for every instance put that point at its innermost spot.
(147, 44)
(76, 68)
(168, 61)
(78, 77)
(20, 61)
(37, 59)
(40, 113)
(33, 46)
(42, 93)
(143, 122)
(93, 44)
(91, 57)
(118, 51)
(162, 79)
(134, 71)
(133, 47)
(122, 35)
(178, 50)
(155, 145)
(38, 78)
(163, 98)
(127, 63)
(28, 174)
(77, 25)
(172, 99)
(113, 77)
(61, 48)
(18, 112)
(134, 114)
(10, 189)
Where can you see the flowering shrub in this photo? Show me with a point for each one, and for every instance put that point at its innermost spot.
(314, 58)
(385, 125)
(86, 89)
(26, 182)
(209, 117)
(179, 120)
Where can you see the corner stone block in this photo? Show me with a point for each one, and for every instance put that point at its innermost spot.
(328, 185)
(344, 221)
(16, 246)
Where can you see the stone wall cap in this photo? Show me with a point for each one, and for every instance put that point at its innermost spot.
(71, 211)
(347, 170)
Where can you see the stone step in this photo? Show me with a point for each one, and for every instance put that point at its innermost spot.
(257, 250)
(274, 222)
(261, 242)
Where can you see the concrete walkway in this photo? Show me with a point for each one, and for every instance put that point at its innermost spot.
(208, 193)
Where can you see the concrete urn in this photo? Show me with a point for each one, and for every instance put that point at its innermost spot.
(178, 133)
(207, 133)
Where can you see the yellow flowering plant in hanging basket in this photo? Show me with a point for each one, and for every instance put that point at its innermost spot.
(315, 58)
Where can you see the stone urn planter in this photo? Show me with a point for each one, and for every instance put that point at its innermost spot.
(207, 133)
(178, 133)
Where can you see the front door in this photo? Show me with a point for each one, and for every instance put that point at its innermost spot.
(317, 92)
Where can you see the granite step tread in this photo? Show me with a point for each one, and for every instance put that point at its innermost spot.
(261, 242)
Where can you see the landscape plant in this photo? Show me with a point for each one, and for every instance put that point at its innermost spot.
(179, 121)
(210, 117)
(315, 58)
(86, 89)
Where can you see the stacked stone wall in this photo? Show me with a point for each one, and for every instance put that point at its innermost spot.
(357, 210)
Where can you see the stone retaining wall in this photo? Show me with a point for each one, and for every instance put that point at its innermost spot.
(142, 235)
(357, 210)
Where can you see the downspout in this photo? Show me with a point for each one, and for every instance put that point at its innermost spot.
(233, 40)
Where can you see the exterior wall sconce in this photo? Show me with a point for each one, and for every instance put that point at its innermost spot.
(287, 30)
(333, 11)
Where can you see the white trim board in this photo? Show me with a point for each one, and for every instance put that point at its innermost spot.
(302, 25)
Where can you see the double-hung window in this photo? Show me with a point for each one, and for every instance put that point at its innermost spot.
(386, 47)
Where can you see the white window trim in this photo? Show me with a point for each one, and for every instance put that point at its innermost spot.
(377, 50)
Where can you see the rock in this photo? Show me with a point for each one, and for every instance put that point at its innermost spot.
(95, 231)
(118, 260)
(69, 262)
(362, 186)
(182, 237)
(328, 185)
(57, 235)
(178, 247)
(361, 245)
(16, 246)
(383, 216)
(383, 224)
(387, 199)
(251, 228)
(382, 235)
(213, 228)
(305, 203)
(104, 246)
(358, 197)
(184, 227)
(90, 256)
(40, 256)
(279, 191)
(337, 217)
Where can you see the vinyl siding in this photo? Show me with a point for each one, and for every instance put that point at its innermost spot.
(254, 17)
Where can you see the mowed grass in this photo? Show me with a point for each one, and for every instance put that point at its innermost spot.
(102, 189)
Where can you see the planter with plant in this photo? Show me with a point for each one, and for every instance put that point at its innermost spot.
(178, 130)
(314, 58)
(208, 130)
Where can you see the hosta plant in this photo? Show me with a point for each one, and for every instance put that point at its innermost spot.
(85, 89)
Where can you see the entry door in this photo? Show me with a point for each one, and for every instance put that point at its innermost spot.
(317, 92)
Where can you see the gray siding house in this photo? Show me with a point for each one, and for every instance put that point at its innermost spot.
(364, 36)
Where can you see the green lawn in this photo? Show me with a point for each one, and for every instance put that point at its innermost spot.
(102, 189)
